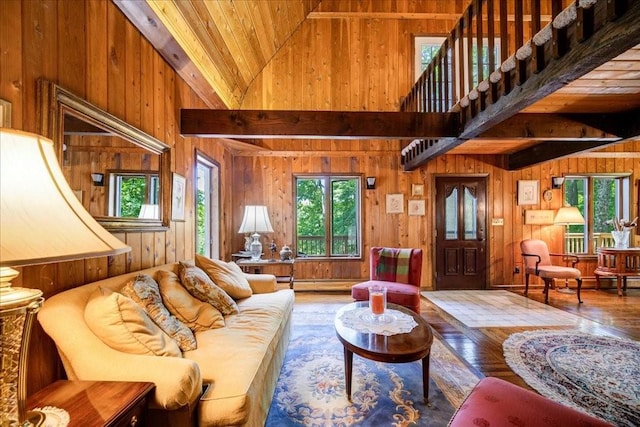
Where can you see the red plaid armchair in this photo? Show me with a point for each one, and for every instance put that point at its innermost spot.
(399, 270)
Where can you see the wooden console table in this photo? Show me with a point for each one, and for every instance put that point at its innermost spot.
(247, 264)
(621, 263)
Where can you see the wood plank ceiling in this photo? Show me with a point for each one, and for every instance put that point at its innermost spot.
(219, 47)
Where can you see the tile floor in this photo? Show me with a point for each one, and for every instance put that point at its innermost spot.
(479, 309)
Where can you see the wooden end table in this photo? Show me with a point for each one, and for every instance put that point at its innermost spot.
(399, 348)
(621, 263)
(257, 266)
(97, 403)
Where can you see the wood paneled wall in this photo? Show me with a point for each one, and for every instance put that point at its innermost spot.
(89, 48)
(366, 64)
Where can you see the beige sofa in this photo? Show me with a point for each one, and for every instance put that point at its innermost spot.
(228, 380)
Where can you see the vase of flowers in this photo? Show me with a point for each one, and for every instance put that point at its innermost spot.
(621, 232)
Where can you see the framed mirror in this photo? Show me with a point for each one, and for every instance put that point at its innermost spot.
(119, 173)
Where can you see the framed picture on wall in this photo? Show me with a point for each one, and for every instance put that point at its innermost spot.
(416, 207)
(177, 197)
(417, 189)
(395, 203)
(528, 192)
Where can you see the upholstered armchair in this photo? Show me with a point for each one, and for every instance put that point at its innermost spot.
(397, 269)
(537, 261)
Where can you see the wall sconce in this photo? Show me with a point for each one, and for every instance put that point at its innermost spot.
(371, 182)
(98, 179)
(556, 182)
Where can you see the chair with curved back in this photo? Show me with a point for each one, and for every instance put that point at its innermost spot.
(397, 269)
(537, 261)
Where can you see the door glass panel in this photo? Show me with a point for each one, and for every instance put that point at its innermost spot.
(451, 215)
(470, 215)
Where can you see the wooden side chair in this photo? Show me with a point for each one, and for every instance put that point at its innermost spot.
(537, 261)
(397, 269)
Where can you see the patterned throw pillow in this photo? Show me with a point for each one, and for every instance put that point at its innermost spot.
(223, 274)
(124, 326)
(202, 287)
(144, 291)
(197, 315)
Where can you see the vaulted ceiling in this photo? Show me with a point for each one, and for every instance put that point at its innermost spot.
(219, 47)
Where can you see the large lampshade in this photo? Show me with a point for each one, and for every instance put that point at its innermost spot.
(41, 221)
(255, 220)
(568, 215)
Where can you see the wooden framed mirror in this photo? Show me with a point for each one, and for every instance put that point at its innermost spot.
(119, 173)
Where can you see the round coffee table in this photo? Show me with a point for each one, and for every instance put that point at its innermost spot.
(399, 348)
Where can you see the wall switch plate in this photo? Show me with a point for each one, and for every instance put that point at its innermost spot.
(497, 221)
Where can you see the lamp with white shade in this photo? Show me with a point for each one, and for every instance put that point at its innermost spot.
(255, 221)
(568, 215)
(41, 221)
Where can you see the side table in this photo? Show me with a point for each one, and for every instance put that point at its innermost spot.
(97, 403)
(621, 263)
(247, 264)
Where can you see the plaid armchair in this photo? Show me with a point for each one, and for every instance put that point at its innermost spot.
(399, 270)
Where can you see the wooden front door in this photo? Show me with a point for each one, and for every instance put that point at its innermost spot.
(461, 233)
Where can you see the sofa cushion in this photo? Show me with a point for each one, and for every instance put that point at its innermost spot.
(197, 315)
(200, 285)
(227, 275)
(124, 326)
(145, 291)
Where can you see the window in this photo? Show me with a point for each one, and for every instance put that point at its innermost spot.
(328, 216)
(425, 50)
(129, 190)
(601, 199)
(207, 207)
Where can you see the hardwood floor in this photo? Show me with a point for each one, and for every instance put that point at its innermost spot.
(602, 312)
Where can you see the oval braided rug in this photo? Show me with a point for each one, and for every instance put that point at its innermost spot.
(596, 374)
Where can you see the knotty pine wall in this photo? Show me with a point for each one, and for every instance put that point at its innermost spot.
(366, 64)
(89, 48)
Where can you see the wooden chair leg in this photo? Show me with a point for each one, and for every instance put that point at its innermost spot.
(526, 283)
(579, 287)
(547, 283)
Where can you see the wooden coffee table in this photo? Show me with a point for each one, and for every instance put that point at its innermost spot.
(399, 348)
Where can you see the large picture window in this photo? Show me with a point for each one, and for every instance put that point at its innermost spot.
(328, 216)
(601, 199)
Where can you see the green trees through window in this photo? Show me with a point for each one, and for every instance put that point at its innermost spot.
(328, 216)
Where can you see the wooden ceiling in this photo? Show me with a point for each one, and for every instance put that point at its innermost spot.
(219, 47)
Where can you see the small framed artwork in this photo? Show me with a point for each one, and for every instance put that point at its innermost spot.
(417, 189)
(5, 114)
(528, 192)
(416, 207)
(177, 197)
(395, 203)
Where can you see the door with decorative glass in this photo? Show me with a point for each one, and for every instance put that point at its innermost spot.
(461, 233)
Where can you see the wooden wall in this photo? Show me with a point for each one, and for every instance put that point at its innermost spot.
(89, 48)
(366, 64)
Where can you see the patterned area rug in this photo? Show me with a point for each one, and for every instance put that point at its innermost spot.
(488, 309)
(311, 386)
(597, 374)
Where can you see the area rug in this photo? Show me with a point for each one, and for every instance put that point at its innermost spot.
(597, 374)
(311, 386)
(488, 309)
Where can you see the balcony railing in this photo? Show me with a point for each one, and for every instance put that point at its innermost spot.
(315, 245)
(574, 242)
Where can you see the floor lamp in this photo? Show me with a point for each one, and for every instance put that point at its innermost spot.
(568, 215)
(41, 221)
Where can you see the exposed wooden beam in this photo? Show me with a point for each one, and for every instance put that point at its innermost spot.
(316, 124)
(548, 151)
(148, 23)
(548, 127)
(625, 124)
(612, 39)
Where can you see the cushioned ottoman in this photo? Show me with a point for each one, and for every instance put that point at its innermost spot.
(497, 403)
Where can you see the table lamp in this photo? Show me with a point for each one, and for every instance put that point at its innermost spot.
(41, 221)
(256, 220)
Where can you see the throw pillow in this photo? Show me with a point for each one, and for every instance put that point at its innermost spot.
(124, 326)
(144, 291)
(202, 287)
(197, 315)
(223, 274)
